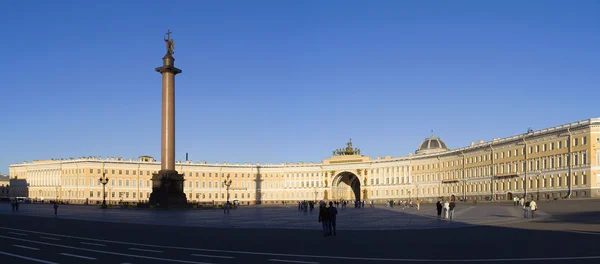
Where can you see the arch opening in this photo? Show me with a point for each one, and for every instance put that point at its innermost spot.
(346, 186)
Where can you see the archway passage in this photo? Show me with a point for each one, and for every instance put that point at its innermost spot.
(346, 186)
(509, 196)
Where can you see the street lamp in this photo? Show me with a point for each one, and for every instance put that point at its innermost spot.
(109, 194)
(417, 191)
(538, 184)
(409, 195)
(316, 193)
(103, 180)
(56, 187)
(464, 190)
(227, 183)
(525, 150)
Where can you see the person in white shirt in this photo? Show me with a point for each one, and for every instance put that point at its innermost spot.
(446, 209)
(533, 207)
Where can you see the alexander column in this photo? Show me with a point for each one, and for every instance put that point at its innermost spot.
(167, 184)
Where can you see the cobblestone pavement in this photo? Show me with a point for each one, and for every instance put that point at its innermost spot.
(378, 218)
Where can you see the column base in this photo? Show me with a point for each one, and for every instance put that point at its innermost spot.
(167, 189)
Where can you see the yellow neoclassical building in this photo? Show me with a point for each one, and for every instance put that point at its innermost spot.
(556, 162)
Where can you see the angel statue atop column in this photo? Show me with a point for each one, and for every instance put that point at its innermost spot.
(170, 43)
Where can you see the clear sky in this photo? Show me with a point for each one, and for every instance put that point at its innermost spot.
(289, 81)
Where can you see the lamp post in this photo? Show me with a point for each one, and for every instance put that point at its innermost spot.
(103, 180)
(539, 173)
(409, 195)
(109, 194)
(316, 193)
(464, 190)
(492, 170)
(227, 183)
(524, 144)
(56, 188)
(417, 191)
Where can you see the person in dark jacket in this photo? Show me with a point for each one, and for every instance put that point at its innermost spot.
(452, 205)
(324, 218)
(438, 206)
(332, 213)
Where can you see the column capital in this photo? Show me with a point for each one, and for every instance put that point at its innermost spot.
(168, 68)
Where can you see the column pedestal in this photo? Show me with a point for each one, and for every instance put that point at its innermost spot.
(167, 189)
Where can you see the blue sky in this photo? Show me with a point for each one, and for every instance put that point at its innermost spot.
(289, 81)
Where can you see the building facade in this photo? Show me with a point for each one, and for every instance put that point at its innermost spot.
(556, 162)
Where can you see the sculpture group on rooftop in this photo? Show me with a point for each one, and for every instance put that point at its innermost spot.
(347, 151)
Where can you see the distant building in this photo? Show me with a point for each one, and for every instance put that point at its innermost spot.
(557, 162)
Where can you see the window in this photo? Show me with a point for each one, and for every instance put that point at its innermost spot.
(576, 159)
(584, 141)
(576, 142)
(584, 179)
(133, 172)
(98, 171)
(537, 148)
(113, 172)
(91, 193)
(559, 161)
(559, 144)
(120, 172)
(91, 171)
(127, 172)
(552, 146)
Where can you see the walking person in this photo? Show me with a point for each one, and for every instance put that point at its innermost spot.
(533, 207)
(452, 206)
(527, 209)
(55, 208)
(333, 214)
(438, 206)
(324, 218)
(226, 208)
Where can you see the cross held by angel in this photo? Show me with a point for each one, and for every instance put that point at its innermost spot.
(170, 43)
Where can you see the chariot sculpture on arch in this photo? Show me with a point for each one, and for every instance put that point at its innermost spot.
(170, 43)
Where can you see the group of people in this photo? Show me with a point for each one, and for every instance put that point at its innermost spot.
(304, 206)
(529, 207)
(14, 204)
(446, 209)
(405, 204)
(328, 217)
